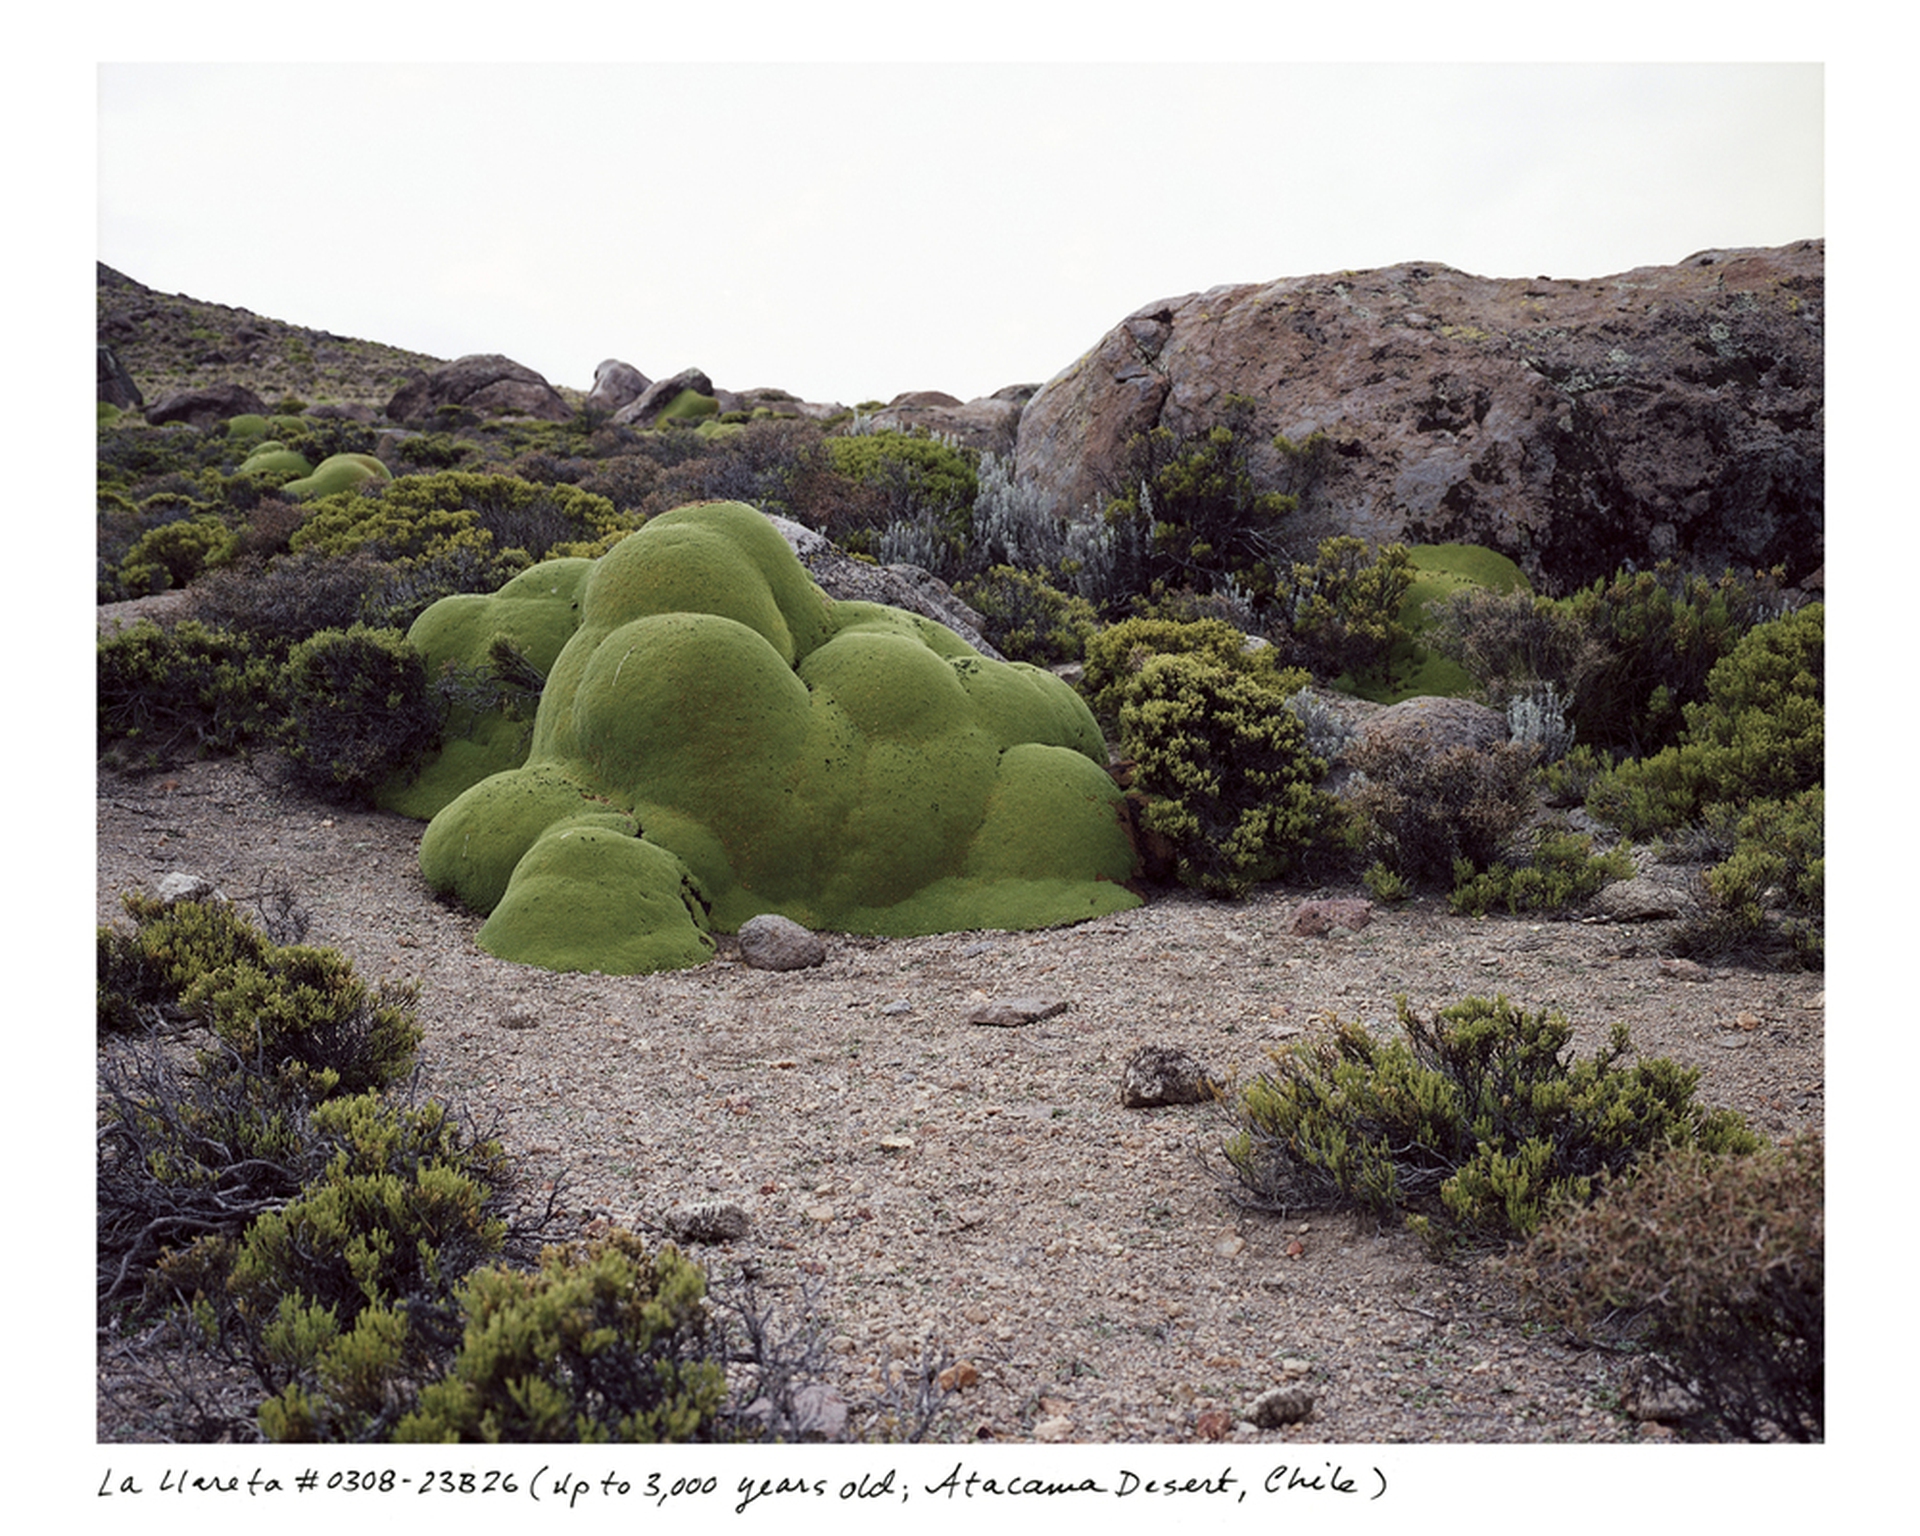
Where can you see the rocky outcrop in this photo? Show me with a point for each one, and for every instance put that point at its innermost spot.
(206, 407)
(616, 384)
(485, 383)
(989, 423)
(1571, 424)
(116, 386)
(645, 408)
(897, 586)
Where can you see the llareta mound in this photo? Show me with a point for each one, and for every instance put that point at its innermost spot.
(719, 739)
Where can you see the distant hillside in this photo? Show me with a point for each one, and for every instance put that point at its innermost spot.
(170, 342)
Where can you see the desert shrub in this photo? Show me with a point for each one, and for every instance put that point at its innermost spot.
(1562, 871)
(172, 554)
(1420, 812)
(1012, 523)
(1474, 1124)
(186, 690)
(418, 515)
(1764, 902)
(855, 488)
(1116, 654)
(1716, 1266)
(277, 604)
(1513, 643)
(360, 709)
(604, 1343)
(1341, 611)
(1537, 718)
(1655, 638)
(1185, 512)
(142, 973)
(434, 450)
(1759, 734)
(1224, 768)
(1027, 618)
(303, 1010)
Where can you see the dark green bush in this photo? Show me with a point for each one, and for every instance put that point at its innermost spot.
(361, 708)
(1186, 512)
(1759, 734)
(186, 690)
(1654, 638)
(1224, 768)
(1028, 619)
(1562, 871)
(420, 515)
(1475, 1125)
(173, 554)
(1714, 1265)
(1514, 641)
(1420, 812)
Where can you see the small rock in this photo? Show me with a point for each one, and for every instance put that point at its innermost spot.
(181, 886)
(1053, 1430)
(712, 1221)
(1322, 919)
(1159, 1074)
(1685, 970)
(1638, 901)
(815, 1411)
(771, 942)
(1281, 1405)
(1015, 1011)
(959, 1376)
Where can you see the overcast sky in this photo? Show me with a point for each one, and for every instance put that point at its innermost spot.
(848, 232)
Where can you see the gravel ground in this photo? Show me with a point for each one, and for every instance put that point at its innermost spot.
(934, 1189)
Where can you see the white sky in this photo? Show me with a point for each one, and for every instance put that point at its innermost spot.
(850, 231)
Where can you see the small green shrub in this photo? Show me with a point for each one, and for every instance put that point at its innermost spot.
(1342, 610)
(1115, 655)
(361, 709)
(1759, 734)
(1224, 766)
(1421, 812)
(1186, 512)
(170, 556)
(186, 690)
(1027, 618)
(1714, 1265)
(1474, 1125)
(171, 945)
(1563, 871)
(606, 1343)
(419, 516)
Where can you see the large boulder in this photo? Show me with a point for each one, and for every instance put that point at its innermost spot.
(616, 384)
(1571, 424)
(207, 406)
(485, 383)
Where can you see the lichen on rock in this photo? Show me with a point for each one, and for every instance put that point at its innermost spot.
(849, 766)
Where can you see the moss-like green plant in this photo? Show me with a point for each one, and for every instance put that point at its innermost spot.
(276, 463)
(338, 473)
(847, 765)
(1475, 1123)
(1438, 573)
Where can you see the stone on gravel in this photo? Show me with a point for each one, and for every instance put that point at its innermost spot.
(712, 1221)
(181, 886)
(1160, 1074)
(774, 943)
(1281, 1405)
(1638, 901)
(1318, 919)
(1015, 1011)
